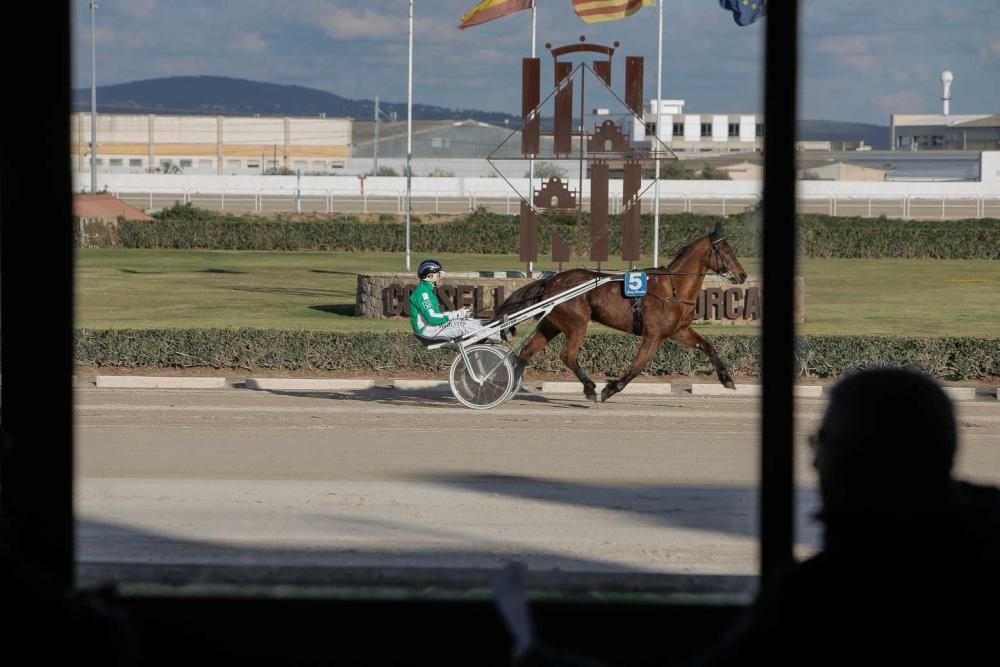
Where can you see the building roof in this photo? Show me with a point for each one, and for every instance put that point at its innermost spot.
(104, 206)
(364, 131)
(985, 121)
(801, 161)
(951, 120)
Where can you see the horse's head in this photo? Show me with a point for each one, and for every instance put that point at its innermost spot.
(722, 259)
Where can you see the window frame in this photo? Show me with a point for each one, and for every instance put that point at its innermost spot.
(36, 475)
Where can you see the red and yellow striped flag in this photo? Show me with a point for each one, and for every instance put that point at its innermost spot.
(595, 11)
(487, 10)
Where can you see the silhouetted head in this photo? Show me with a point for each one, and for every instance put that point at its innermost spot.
(723, 260)
(886, 444)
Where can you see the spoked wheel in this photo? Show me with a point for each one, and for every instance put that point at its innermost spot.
(486, 381)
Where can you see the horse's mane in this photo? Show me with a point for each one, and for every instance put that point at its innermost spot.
(680, 253)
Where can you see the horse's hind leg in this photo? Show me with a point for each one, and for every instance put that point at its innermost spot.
(535, 344)
(574, 339)
(646, 349)
(691, 338)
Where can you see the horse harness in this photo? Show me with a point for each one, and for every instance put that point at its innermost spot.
(636, 303)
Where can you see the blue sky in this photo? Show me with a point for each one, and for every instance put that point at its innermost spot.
(861, 59)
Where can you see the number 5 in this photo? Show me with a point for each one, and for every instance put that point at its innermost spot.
(634, 281)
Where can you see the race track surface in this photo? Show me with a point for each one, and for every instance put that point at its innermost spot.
(640, 493)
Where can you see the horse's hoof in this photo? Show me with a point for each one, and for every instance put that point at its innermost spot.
(590, 393)
(607, 393)
(728, 384)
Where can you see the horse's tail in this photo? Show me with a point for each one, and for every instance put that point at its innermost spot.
(521, 298)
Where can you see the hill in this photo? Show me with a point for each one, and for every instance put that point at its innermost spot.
(240, 97)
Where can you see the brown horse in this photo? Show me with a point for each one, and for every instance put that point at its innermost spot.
(665, 312)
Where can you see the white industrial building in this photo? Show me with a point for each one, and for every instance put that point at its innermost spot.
(698, 132)
(148, 143)
(959, 132)
(945, 131)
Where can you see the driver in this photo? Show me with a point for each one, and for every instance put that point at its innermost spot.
(426, 316)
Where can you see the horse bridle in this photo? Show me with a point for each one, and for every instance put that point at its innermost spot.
(726, 272)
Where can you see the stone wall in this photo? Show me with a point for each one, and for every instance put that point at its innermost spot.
(386, 296)
(722, 302)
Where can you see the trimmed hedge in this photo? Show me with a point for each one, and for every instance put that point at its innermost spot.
(486, 233)
(605, 354)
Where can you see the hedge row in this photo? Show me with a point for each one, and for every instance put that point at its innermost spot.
(602, 355)
(486, 233)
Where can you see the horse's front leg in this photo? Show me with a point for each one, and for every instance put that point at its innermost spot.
(646, 350)
(691, 338)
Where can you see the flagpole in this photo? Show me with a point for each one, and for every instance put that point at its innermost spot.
(656, 138)
(531, 163)
(409, 139)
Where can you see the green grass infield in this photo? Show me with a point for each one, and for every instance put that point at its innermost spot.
(315, 291)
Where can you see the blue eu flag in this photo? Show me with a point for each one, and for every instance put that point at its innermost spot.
(745, 12)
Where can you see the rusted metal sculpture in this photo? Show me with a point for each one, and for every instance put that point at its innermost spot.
(608, 142)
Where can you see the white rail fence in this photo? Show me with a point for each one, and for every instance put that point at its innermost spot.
(943, 206)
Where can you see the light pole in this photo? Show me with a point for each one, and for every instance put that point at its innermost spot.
(656, 139)
(379, 115)
(93, 99)
(409, 139)
(531, 163)
(375, 154)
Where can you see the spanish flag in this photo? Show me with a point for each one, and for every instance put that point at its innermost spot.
(596, 11)
(487, 10)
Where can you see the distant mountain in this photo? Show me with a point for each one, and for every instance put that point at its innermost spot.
(836, 132)
(240, 97)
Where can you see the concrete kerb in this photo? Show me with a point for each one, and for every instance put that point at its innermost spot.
(716, 389)
(634, 389)
(420, 385)
(961, 393)
(546, 387)
(149, 382)
(309, 384)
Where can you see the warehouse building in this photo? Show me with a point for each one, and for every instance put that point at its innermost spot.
(147, 143)
(958, 132)
(700, 133)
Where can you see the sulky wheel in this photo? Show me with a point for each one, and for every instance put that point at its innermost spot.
(488, 382)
